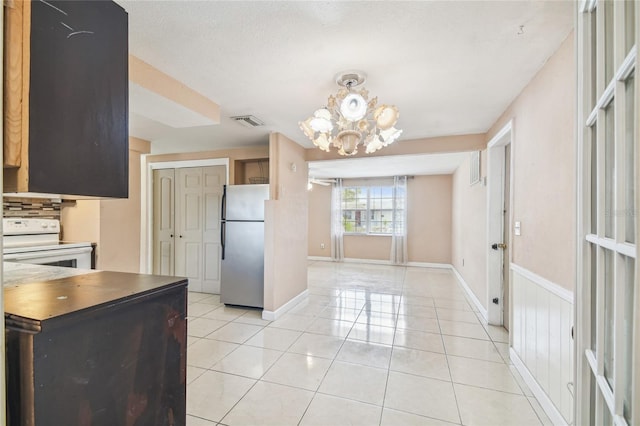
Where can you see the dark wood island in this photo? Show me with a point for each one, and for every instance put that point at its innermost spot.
(103, 348)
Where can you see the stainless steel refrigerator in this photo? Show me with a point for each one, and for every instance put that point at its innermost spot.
(242, 239)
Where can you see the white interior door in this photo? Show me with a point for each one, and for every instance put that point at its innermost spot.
(498, 226)
(197, 242)
(163, 222)
(189, 225)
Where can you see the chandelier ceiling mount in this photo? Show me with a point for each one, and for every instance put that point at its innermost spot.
(350, 79)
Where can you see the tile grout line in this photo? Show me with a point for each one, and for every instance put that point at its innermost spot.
(260, 379)
(225, 356)
(505, 362)
(393, 344)
(315, 392)
(339, 292)
(536, 411)
(493, 343)
(237, 375)
(446, 356)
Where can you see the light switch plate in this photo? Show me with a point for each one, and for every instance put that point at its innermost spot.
(517, 228)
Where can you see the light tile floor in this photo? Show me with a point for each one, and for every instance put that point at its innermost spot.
(371, 345)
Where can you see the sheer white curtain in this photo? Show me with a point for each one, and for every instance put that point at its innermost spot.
(337, 230)
(399, 254)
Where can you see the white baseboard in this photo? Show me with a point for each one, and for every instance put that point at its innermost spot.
(429, 265)
(370, 261)
(471, 295)
(550, 286)
(320, 258)
(274, 315)
(382, 262)
(544, 400)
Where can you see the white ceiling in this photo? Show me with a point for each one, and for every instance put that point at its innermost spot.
(451, 67)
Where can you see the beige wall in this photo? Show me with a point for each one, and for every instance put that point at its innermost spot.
(544, 169)
(320, 221)
(469, 229)
(429, 218)
(80, 221)
(371, 247)
(113, 224)
(285, 223)
(428, 224)
(542, 187)
(120, 220)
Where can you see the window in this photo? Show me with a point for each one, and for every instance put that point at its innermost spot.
(370, 209)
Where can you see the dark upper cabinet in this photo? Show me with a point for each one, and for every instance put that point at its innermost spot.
(66, 122)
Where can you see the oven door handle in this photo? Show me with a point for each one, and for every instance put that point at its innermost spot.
(45, 253)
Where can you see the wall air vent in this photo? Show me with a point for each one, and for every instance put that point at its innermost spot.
(248, 120)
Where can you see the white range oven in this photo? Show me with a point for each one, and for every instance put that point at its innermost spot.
(32, 240)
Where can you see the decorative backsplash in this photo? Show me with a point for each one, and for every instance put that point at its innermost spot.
(31, 207)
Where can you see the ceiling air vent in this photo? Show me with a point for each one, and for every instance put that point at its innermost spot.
(248, 120)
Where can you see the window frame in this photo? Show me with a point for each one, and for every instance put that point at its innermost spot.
(601, 228)
(369, 210)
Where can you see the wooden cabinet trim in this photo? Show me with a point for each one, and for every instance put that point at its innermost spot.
(16, 87)
(17, 33)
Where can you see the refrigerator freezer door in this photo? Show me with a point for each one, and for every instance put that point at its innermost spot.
(242, 279)
(245, 202)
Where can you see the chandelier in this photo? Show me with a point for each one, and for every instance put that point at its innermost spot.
(351, 119)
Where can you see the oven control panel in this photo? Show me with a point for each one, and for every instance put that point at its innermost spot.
(30, 226)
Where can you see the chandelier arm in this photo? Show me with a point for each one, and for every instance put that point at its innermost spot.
(351, 119)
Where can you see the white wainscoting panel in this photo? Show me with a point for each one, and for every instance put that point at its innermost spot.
(541, 332)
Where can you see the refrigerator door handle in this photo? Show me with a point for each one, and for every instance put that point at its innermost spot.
(223, 203)
(222, 236)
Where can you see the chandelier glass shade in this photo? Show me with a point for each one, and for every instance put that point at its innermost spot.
(351, 119)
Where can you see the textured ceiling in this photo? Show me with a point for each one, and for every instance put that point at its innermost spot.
(451, 67)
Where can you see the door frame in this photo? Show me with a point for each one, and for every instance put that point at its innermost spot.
(495, 223)
(146, 196)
